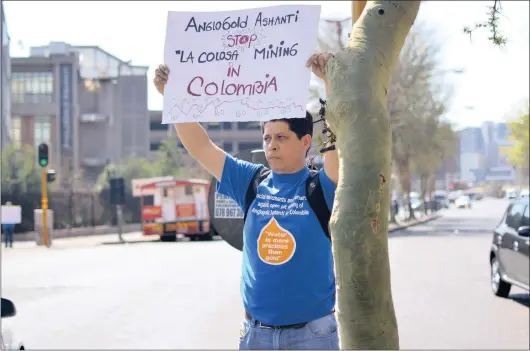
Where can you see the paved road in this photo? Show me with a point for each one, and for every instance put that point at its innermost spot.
(186, 294)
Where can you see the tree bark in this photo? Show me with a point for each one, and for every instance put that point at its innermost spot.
(423, 191)
(405, 181)
(357, 113)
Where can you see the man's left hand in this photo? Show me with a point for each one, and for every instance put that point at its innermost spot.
(318, 62)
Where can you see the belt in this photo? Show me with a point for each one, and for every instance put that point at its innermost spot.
(287, 326)
(267, 326)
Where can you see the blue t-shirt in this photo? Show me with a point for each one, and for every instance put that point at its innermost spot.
(287, 268)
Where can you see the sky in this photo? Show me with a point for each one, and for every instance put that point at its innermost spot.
(493, 87)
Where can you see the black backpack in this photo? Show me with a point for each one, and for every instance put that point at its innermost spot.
(314, 195)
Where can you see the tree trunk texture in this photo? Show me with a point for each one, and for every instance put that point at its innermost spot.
(405, 181)
(357, 113)
(424, 178)
(431, 185)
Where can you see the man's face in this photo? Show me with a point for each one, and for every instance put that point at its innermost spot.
(283, 150)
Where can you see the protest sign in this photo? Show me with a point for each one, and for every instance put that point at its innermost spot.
(11, 214)
(244, 65)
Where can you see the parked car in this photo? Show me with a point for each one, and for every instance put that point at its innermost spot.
(441, 199)
(509, 259)
(511, 194)
(524, 193)
(7, 339)
(463, 201)
(474, 196)
(453, 195)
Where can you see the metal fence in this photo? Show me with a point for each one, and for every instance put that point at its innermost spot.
(74, 209)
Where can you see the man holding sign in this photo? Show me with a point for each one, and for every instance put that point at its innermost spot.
(288, 283)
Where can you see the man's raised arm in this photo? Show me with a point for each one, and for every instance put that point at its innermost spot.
(193, 136)
(318, 62)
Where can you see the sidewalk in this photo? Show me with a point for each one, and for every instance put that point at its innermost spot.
(392, 227)
(108, 235)
(77, 232)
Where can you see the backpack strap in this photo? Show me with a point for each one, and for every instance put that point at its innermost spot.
(258, 177)
(317, 201)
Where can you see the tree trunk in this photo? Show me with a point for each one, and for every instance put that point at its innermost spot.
(424, 178)
(357, 113)
(406, 180)
(393, 214)
(431, 187)
(412, 216)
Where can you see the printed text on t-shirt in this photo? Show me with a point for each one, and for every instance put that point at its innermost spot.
(272, 205)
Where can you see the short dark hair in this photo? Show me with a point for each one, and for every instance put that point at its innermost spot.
(299, 126)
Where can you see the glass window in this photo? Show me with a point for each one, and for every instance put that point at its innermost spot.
(157, 125)
(513, 220)
(525, 221)
(248, 125)
(228, 146)
(250, 146)
(214, 126)
(32, 87)
(16, 133)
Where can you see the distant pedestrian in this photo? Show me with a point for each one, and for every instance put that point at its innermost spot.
(9, 229)
(395, 207)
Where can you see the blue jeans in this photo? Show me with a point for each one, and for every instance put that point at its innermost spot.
(319, 334)
(8, 233)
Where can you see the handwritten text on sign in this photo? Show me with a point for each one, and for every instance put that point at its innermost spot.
(245, 65)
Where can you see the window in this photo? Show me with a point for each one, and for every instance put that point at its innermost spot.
(154, 146)
(149, 200)
(188, 190)
(157, 125)
(250, 146)
(32, 87)
(515, 214)
(525, 221)
(248, 125)
(214, 126)
(228, 146)
(16, 130)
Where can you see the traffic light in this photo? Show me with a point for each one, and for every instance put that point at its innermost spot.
(117, 191)
(43, 155)
(50, 176)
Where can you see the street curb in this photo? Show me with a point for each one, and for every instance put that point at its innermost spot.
(78, 232)
(416, 222)
(134, 227)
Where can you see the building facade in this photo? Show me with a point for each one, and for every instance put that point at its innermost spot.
(482, 156)
(5, 98)
(232, 137)
(89, 106)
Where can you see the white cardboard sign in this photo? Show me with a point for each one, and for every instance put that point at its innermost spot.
(244, 65)
(11, 214)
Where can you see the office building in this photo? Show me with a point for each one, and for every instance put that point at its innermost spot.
(232, 137)
(88, 105)
(482, 153)
(471, 154)
(5, 99)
